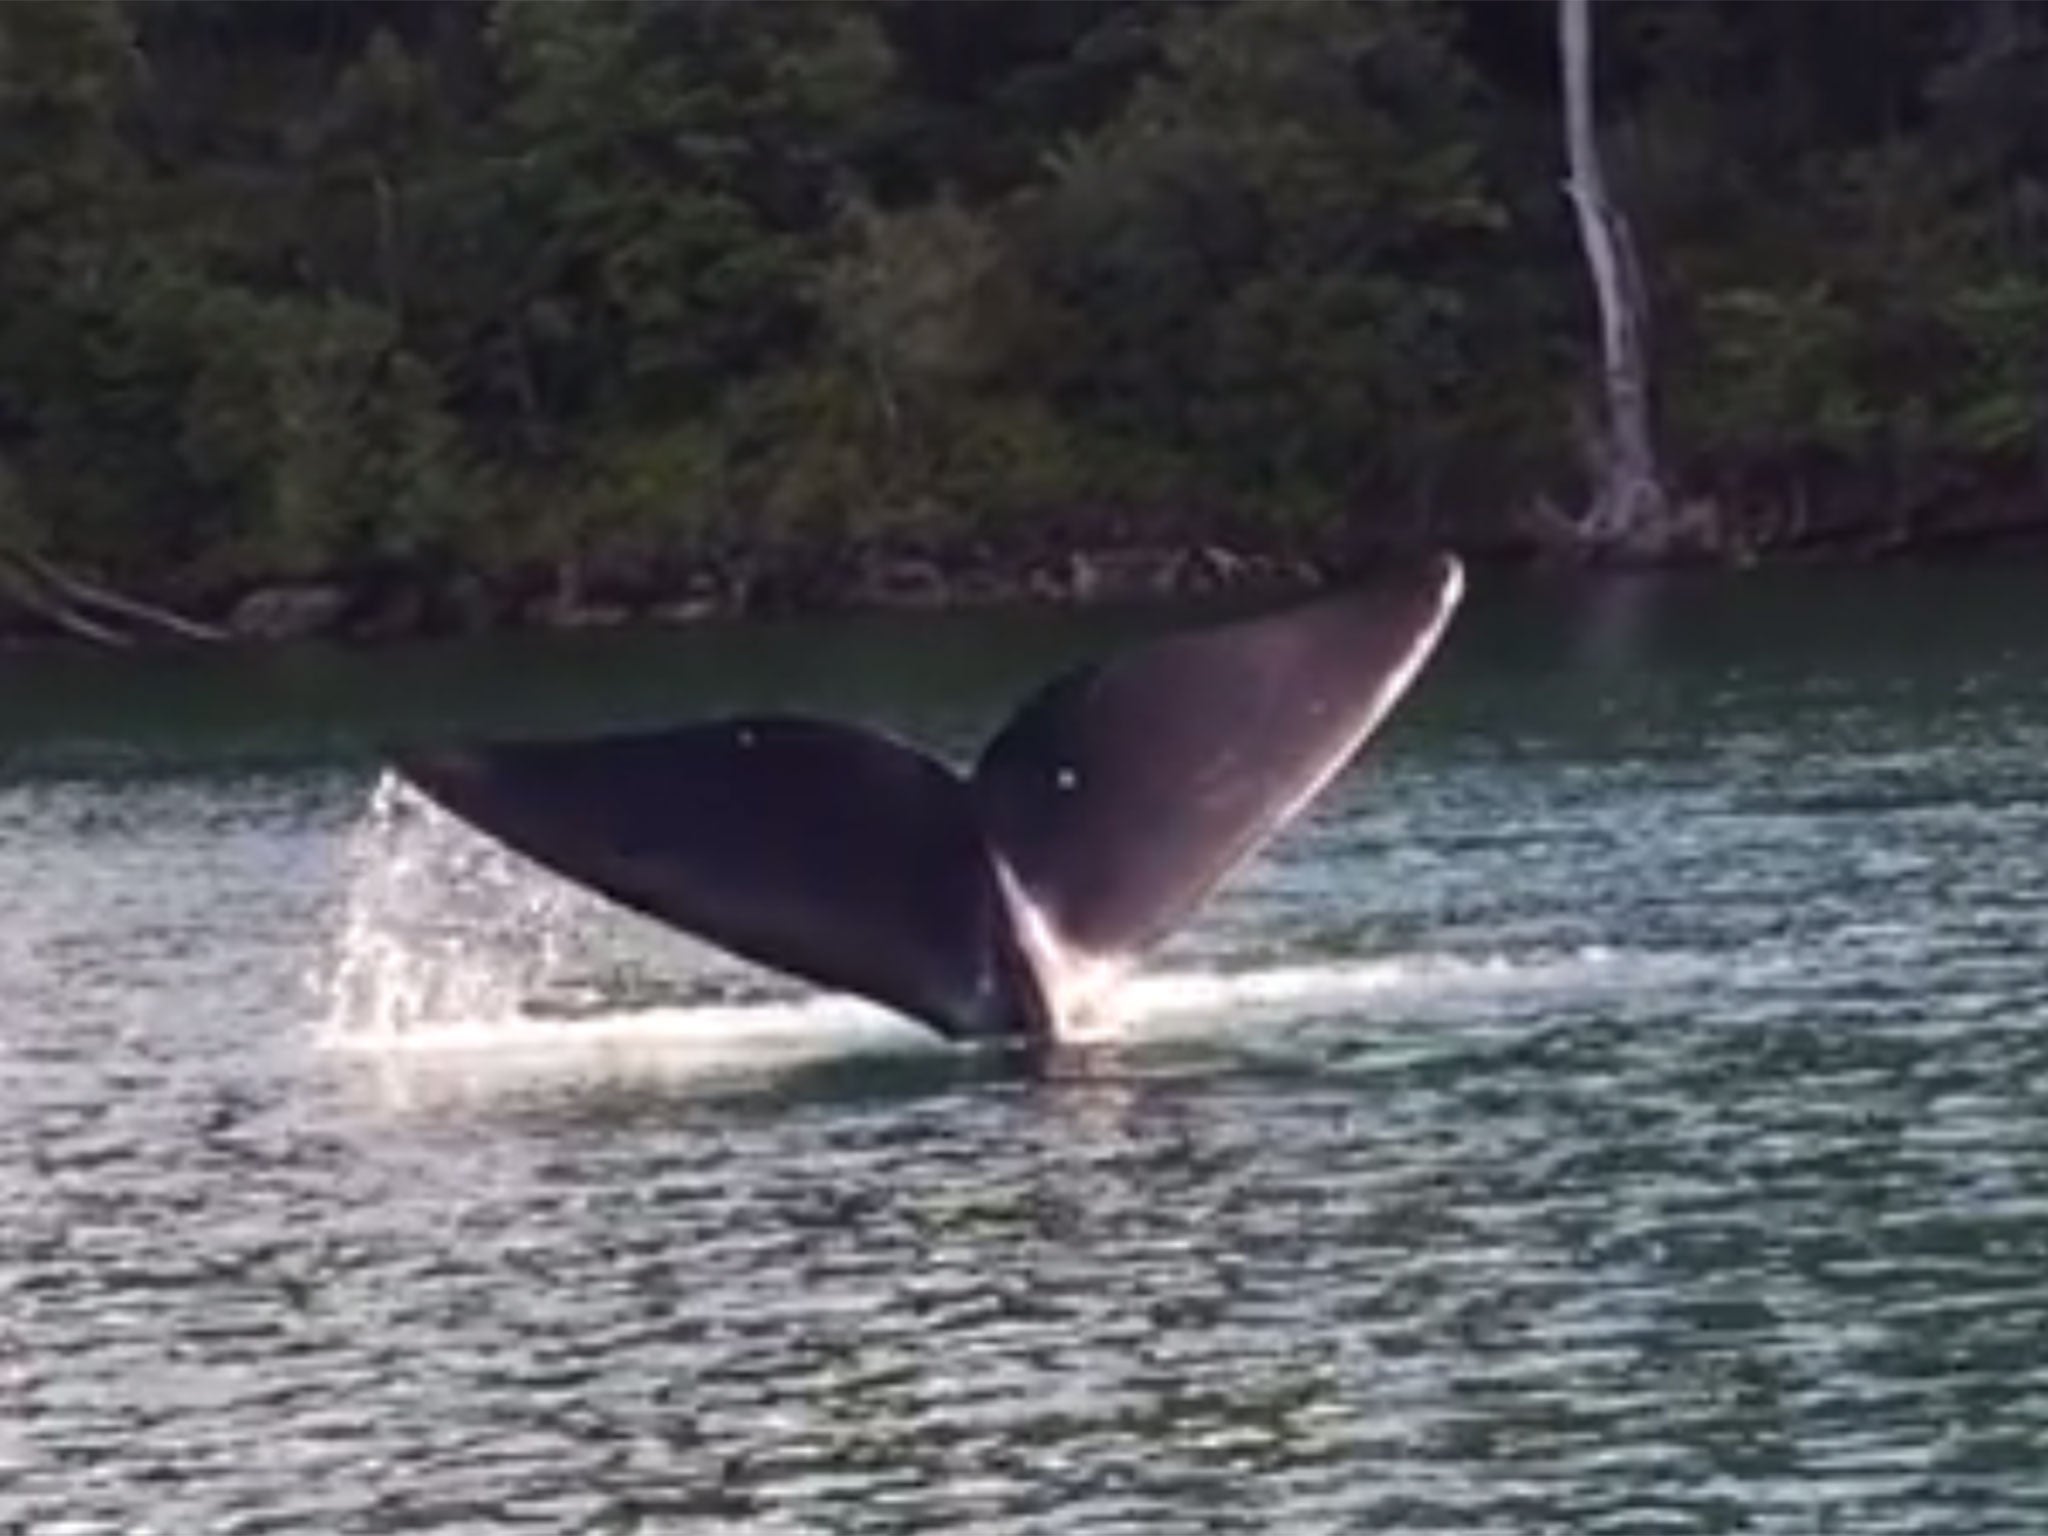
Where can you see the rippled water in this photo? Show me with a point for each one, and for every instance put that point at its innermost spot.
(1623, 1108)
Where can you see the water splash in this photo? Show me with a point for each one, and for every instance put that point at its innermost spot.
(441, 923)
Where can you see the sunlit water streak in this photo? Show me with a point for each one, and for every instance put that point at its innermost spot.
(1624, 1110)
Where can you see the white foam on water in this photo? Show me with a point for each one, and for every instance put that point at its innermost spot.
(703, 1042)
(1199, 1001)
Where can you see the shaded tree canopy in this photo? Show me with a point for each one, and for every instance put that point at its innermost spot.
(515, 293)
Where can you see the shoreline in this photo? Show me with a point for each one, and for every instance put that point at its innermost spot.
(371, 613)
(358, 612)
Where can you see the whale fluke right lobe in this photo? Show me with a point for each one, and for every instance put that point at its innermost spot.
(1124, 792)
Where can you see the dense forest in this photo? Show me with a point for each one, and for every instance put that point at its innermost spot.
(471, 310)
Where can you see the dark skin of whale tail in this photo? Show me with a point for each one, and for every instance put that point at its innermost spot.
(1094, 823)
(819, 849)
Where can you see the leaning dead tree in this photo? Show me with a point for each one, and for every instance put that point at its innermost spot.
(85, 610)
(37, 592)
(1629, 514)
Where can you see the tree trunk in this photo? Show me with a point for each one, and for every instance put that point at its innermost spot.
(87, 610)
(1630, 514)
(24, 592)
(387, 247)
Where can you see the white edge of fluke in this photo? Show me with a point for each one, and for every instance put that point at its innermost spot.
(1074, 980)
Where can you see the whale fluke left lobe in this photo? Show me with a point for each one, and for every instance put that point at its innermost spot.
(822, 850)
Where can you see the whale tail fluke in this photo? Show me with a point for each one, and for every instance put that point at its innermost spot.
(1095, 822)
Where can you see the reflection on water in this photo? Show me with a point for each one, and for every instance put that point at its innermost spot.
(1624, 1109)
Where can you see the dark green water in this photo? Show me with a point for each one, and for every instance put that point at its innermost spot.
(1622, 1107)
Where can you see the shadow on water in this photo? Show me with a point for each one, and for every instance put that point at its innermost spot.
(74, 712)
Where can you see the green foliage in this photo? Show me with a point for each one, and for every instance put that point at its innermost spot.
(327, 435)
(1999, 323)
(1260, 266)
(545, 292)
(676, 164)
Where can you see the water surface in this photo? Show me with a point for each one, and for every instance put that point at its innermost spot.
(1622, 1107)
